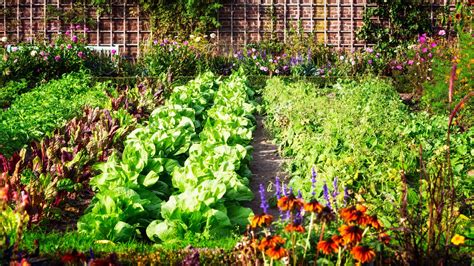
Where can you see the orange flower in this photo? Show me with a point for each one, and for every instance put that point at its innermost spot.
(289, 203)
(338, 240)
(384, 238)
(328, 246)
(363, 253)
(294, 227)
(374, 222)
(313, 206)
(271, 241)
(354, 214)
(261, 219)
(351, 233)
(326, 214)
(277, 252)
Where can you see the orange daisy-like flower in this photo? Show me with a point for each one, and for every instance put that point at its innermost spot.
(326, 214)
(351, 233)
(338, 239)
(261, 219)
(277, 252)
(294, 227)
(271, 241)
(313, 206)
(289, 203)
(384, 238)
(363, 253)
(354, 214)
(328, 246)
(374, 222)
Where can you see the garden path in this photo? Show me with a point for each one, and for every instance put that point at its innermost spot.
(265, 166)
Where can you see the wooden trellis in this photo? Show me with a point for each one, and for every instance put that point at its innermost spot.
(332, 22)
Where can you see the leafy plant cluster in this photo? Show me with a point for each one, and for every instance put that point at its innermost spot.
(131, 188)
(36, 113)
(215, 177)
(44, 181)
(361, 133)
(144, 193)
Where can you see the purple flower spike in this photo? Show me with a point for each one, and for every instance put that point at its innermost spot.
(277, 187)
(346, 195)
(283, 188)
(326, 195)
(335, 186)
(313, 181)
(264, 204)
(300, 195)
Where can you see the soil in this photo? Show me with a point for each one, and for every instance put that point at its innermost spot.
(265, 166)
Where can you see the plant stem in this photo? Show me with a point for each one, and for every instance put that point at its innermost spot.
(309, 234)
(320, 239)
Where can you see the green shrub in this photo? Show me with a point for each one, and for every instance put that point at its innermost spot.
(10, 91)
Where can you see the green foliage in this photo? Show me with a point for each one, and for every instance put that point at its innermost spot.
(397, 21)
(361, 133)
(131, 187)
(38, 112)
(10, 91)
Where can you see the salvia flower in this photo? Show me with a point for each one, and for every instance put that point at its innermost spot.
(335, 192)
(326, 195)
(277, 187)
(263, 200)
(313, 181)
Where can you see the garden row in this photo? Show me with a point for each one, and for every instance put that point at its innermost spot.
(177, 171)
(47, 180)
(360, 136)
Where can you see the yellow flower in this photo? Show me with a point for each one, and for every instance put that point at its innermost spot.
(457, 240)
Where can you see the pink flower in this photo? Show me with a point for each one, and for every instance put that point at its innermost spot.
(113, 51)
(68, 32)
(442, 33)
(410, 62)
(369, 50)
(185, 43)
(424, 50)
(78, 27)
(433, 45)
(80, 54)
(264, 69)
(57, 58)
(14, 49)
(422, 38)
(69, 46)
(74, 38)
(430, 55)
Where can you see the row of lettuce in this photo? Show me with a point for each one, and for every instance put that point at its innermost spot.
(184, 172)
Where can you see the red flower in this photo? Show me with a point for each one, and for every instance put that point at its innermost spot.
(313, 206)
(363, 253)
(293, 227)
(354, 214)
(289, 203)
(328, 246)
(277, 252)
(270, 241)
(261, 219)
(384, 238)
(351, 234)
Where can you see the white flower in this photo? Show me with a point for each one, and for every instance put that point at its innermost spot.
(341, 57)
(198, 39)
(442, 33)
(33, 53)
(353, 62)
(4, 39)
(429, 69)
(212, 35)
(191, 36)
